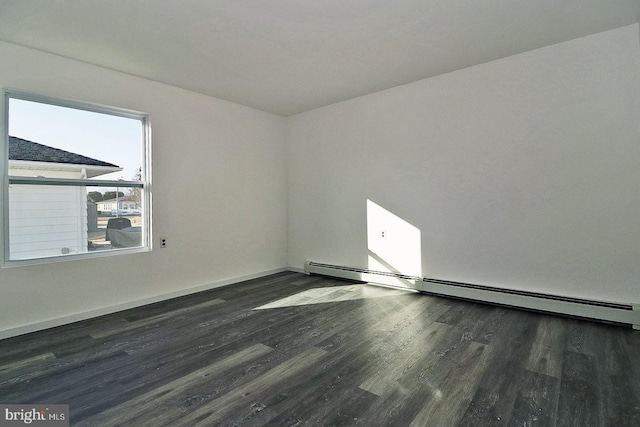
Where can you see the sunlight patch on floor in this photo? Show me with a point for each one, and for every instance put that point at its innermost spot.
(333, 294)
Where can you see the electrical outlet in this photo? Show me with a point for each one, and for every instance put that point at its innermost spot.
(163, 242)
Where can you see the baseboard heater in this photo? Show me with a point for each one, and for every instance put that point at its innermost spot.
(578, 307)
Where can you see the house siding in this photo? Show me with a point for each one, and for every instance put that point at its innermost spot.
(47, 221)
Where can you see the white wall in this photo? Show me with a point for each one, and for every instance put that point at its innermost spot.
(521, 173)
(219, 196)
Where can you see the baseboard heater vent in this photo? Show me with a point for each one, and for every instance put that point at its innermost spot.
(353, 273)
(579, 307)
(395, 280)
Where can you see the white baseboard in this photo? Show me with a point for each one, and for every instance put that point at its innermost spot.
(64, 320)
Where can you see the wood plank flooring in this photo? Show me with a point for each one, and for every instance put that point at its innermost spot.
(290, 349)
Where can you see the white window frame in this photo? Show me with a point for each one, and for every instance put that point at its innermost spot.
(144, 183)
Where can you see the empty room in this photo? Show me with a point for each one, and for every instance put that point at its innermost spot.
(330, 213)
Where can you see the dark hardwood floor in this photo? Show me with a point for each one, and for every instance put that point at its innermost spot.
(325, 352)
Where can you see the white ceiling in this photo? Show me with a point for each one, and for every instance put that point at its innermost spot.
(289, 56)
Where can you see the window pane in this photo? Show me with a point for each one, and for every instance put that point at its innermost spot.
(53, 221)
(61, 142)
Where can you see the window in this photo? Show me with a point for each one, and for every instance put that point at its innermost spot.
(76, 179)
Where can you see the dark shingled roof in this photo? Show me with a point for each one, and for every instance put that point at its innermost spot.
(21, 149)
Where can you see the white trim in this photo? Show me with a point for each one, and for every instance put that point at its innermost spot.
(75, 257)
(74, 182)
(4, 178)
(64, 320)
(71, 103)
(296, 270)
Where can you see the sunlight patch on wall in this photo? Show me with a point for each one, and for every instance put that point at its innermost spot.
(394, 245)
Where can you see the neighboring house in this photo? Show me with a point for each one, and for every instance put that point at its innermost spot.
(49, 220)
(124, 204)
